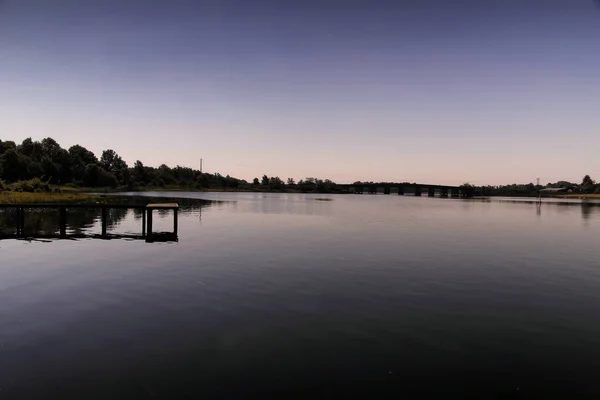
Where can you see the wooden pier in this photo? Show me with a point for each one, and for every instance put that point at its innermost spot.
(147, 232)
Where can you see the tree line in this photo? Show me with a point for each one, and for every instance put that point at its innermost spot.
(587, 186)
(48, 161)
(32, 165)
(309, 184)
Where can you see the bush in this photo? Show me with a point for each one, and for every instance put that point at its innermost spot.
(33, 185)
(3, 186)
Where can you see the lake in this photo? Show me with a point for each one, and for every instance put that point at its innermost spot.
(308, 295)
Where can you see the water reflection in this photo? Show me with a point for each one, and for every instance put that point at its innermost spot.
(588, 208)
(289, 205)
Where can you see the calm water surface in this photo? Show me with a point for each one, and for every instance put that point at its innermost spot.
(291, 294)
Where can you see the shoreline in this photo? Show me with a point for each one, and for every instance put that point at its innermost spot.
(7, 197)
(82, 195)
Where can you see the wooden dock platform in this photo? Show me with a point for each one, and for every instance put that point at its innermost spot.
(146, 210)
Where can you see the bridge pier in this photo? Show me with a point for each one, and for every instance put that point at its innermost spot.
(386, 190)
(444, 192)
(372, 189)
(400, 191)
(418, 191)
(431, 192)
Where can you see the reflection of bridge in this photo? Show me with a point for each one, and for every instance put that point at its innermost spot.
(416, 189)
(147, 234)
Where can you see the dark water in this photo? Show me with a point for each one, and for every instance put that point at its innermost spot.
(287, 294)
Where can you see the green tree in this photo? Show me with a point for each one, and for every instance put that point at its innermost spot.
(51, 148)
(82, 154)
(14, 166)
(6, 145)
(275, 182)
(255, 181)
(265, 180)
(96, 176)
(290, 182)
(140, 174)
(587, 185)
(111, 162)
(31, 149)
(80, 159)
(50, 170)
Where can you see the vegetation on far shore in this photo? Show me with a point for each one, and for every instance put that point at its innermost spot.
(7, 197)
(78, 167)
(580, 195)
(37, 191)
(47, 171)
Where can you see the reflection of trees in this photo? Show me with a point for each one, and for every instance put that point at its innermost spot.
(588, 208)
(46, 221)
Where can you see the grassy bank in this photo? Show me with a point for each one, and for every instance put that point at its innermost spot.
(7, 197)
(580, 196)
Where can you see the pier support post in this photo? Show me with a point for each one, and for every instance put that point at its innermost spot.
(417, 190)
(143, 223)
(431, 192)
(400, 191)
(63, 221)
(386, 190)
(175, 222)
(149, 219)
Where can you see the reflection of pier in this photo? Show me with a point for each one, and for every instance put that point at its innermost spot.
(146, 211)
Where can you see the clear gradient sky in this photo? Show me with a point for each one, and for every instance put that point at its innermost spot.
(441, 91)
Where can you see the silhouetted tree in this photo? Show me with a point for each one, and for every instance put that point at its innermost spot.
(588, 185)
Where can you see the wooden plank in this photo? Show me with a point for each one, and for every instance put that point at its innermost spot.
(170, 206)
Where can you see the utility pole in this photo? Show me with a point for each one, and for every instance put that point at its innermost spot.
(200, 165)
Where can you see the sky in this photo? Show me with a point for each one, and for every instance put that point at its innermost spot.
(431, 91)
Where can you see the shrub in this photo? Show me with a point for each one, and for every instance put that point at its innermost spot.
(32, 185)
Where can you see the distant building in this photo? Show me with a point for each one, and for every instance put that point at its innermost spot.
(555, 190)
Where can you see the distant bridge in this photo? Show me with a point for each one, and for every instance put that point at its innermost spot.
(415, 189)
